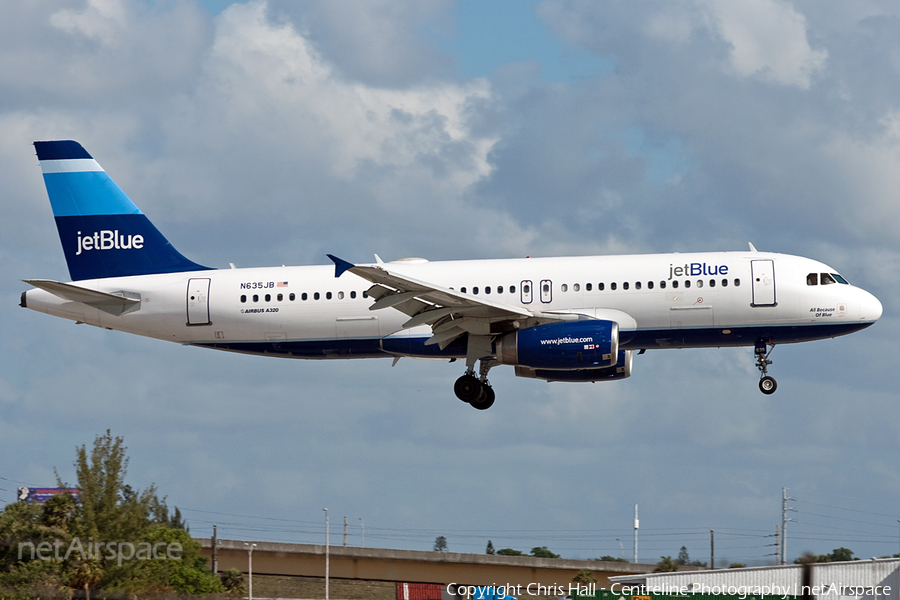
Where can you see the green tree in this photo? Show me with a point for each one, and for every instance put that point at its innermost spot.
(440, 544)
(584, 578)
(85, 574)
(183, 571)
(683, 557)
(837, 555)
(543, 552)
(233, 581)
(109, 513)
(737, 566)
(490, 548)
(666, 565)
(510, 552)
(609, 558)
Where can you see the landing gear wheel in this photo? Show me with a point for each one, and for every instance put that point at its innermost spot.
(767, 385)
(468, 389)
(486, 400)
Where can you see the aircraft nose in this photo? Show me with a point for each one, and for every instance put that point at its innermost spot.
(870, 308)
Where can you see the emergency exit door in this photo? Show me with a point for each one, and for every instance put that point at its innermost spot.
(763, 274)
(198, 301)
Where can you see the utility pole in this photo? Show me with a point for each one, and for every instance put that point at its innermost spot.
(215, 552)
(326, 553)
(345, 531)
(636, 525)
(363, 525)
(712, 549)
(784, 509)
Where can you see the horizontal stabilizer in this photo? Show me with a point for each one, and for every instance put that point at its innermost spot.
(110, 303)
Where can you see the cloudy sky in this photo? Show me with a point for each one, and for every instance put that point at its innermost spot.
(271, 132)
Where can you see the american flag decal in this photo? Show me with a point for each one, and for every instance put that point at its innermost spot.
(590, 346)
(281, 284)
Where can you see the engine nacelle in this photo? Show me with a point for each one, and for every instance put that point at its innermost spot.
(620, 371)
(568, 345)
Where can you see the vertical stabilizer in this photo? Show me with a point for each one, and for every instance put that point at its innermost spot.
(103, 233)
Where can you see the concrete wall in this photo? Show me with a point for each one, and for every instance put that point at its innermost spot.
(414, 566)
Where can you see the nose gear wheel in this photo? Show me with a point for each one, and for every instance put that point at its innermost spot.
(767, 384)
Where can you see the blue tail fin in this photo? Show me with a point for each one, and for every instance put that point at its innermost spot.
(103, 233)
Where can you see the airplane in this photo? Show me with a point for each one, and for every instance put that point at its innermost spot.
(569, 319)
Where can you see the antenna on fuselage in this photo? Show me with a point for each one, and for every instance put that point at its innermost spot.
(752, 247)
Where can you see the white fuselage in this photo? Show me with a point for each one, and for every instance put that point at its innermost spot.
(721, 299)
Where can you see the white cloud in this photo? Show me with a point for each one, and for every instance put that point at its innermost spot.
(768, 39)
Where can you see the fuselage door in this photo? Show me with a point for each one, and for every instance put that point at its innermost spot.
(526, 289)
(198, 301)
(546, 291)
(763, 275)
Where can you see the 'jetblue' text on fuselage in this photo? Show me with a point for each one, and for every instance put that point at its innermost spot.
(695, 269)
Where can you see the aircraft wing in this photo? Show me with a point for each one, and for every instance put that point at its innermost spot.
(113, 304)
(449, 313)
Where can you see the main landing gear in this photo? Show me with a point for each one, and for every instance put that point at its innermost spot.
(767, 384)
(476, 390)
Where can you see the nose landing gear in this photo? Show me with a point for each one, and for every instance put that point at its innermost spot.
(476, 390)
(767, 384)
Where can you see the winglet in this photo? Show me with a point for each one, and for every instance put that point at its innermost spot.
(340, 265)
(752, 247)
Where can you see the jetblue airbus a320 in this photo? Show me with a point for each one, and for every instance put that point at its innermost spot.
(557, 319)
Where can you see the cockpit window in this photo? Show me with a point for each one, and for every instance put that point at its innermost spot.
(827, 279)
(840, 279)
(812, 279)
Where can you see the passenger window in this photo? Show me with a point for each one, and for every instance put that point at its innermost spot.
(687, 283)
(737, 282)
(268, 297)
(256, 297)
(826, 279)
(675, 284)
(662, 285)
(526, 289)
(600, 287)
(292, 297)
(328, 295)
(280, 297)
(564, 287)
(340, 295)
(365, 294)
(546, 288)
(512, 289)
(499, 289)
(316, 296)
(304, 296)
(487, 289)
(812, 279)
(576, 287)
(625, 286)
(649, 285)
(699, 283)
(637, 285)
(712, 283)
(475, 290)
(463, 290)
(612, 286)
(353, 294)
(588, 286)
(243, 297)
